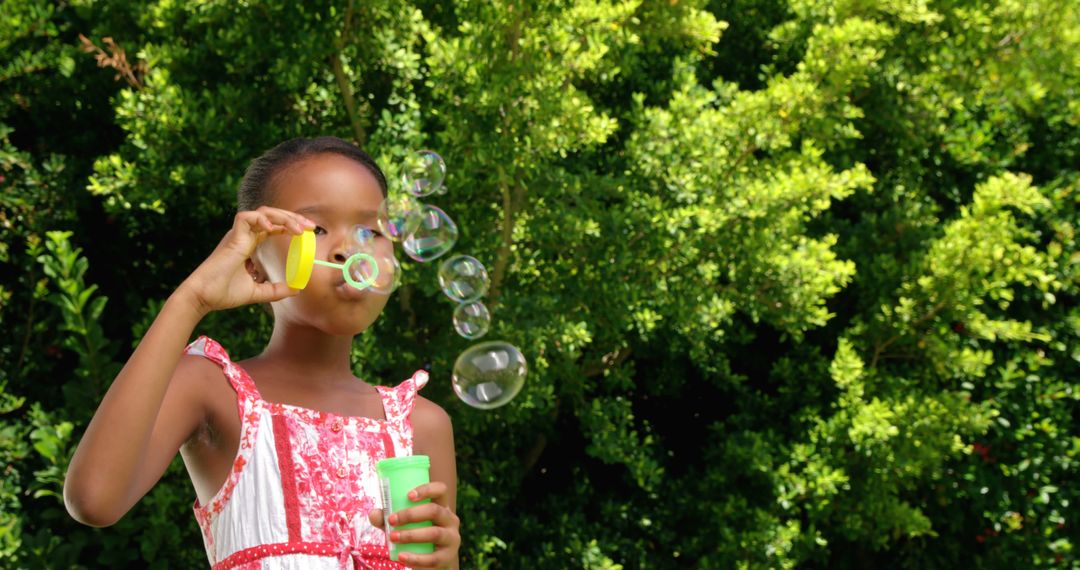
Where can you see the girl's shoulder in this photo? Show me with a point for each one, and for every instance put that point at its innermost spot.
(428, 412)
(432, 426)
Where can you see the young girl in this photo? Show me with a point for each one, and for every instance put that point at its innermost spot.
(281, 448)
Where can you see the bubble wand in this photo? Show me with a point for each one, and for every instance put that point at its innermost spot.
(301, 262)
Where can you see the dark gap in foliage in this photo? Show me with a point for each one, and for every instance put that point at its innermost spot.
(744, 48)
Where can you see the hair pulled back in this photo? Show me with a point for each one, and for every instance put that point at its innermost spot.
(253, 189)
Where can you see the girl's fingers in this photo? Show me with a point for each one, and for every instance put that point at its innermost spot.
(273, 220)
(441, 559)
(434, 512)
(433, 490)
(286, 219)
(434, 534)
(375, 517)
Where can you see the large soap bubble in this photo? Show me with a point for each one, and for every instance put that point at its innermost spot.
(489, 374)
(380, 272)
(435, 235)
(423, 173)
(463, 278)
(379, 269)
(399, 215)
(472, 320)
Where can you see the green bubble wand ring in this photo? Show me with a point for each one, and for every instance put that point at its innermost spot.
(301, 261)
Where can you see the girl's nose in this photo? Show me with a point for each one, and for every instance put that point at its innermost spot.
(340, 251)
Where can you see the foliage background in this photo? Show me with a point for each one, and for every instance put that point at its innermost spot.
(797, 279)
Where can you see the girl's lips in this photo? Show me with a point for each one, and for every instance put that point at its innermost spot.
(349, 292)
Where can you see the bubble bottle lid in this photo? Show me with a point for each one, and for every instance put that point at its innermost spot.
(301, 261)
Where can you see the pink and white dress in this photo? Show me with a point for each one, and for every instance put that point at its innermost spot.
(303, 481)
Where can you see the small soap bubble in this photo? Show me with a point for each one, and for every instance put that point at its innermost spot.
(379, 269)
(381, 273)
(489, 374)
(463, 278)
(435, 235)
(399, 215)
(423, 173)
(363, 235)
(472, 320)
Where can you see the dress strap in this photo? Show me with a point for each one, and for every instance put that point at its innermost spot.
(398, 404)
(238, 378)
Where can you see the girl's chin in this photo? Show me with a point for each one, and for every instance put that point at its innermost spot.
(340, 325)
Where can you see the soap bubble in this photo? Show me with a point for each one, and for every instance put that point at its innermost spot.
(381, 273)
(379, 268)
(489, 374)
(472, 320)
(423, 173)
(435, 235)
(363, 235)
(399, 215)
(463, 278)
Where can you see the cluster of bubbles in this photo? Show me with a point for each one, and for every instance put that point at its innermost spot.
(486, 375)
(465, 280)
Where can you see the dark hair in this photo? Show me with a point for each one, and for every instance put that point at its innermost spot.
(253, 188)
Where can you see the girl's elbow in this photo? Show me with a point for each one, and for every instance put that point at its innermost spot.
(86, 507)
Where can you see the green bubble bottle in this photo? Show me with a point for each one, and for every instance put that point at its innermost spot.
(398, 476)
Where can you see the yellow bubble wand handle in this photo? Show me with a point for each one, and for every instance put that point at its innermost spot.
(301, 261)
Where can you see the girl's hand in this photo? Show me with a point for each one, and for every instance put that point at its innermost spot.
(444, 532)
(225, 279)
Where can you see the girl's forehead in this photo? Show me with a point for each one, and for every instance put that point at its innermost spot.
(324, 181)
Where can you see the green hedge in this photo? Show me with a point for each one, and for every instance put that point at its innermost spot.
(797, 281)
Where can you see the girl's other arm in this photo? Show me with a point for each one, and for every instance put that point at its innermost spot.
(151, 408)
(433, 435)
(157, 401)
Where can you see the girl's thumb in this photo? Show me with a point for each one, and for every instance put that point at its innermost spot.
(375, 518)
(267, 292)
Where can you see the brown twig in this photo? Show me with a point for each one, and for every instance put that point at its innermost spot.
(116, 59)
(878, 349)
(609, 360)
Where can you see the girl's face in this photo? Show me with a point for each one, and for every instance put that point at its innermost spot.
(337, 193)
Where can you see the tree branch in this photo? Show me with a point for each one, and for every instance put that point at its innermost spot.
(338, 66)
(337, 63)
(405, 300)
(502, 256)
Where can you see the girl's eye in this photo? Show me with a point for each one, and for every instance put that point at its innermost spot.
(319, 229)
(364, 233)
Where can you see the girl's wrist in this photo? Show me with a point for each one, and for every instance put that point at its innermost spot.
(185, 299)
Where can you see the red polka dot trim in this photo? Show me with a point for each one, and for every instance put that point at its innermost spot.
(368, 557)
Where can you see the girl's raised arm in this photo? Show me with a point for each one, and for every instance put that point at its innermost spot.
(156, 402)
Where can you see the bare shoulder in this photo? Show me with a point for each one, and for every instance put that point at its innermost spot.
(201, 385)
(433, 432)
(193, 365)
(430, 418)
(199, 375)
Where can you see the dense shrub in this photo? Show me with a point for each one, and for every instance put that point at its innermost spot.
(797, 281)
